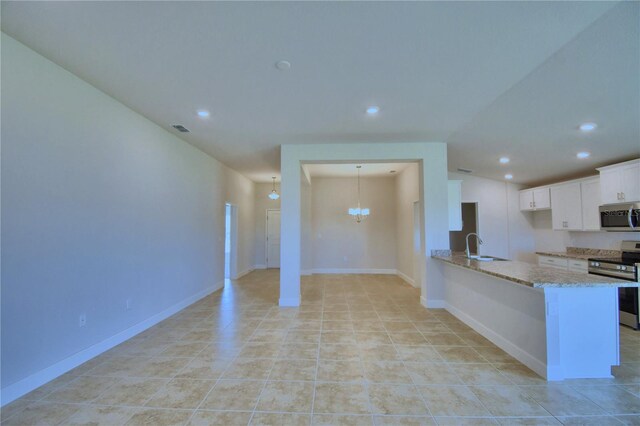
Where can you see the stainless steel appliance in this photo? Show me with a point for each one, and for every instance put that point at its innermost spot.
(620, 217)
(625, 268)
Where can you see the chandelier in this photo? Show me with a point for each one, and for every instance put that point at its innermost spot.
(359, 213)
(274, 194)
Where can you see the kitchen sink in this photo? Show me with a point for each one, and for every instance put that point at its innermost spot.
(486, 258)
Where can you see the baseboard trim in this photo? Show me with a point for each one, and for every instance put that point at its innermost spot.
(354, 271)
(513, 350)
(306, 272)
(406, 278)
(289, 301)
(26, 385)
(432, 304)
(243, 273)
(259, 266)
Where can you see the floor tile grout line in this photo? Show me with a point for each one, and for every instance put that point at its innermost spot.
(218, 380)
(192, 323)
(315, 376)
(264, 386)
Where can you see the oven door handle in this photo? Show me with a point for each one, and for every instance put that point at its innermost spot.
(629, 218)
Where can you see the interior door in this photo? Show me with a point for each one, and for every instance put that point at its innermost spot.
(273, 238)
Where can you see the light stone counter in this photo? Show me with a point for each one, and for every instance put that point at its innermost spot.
(580, 253)
(562, 325)
(533, 275)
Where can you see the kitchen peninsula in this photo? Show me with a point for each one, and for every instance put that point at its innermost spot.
(561, 324)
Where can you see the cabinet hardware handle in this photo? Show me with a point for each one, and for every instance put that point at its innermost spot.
(534, 204)
(530, 204)
(622, 193)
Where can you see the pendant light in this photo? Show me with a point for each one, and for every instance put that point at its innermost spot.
(359, 213)
(274, 194)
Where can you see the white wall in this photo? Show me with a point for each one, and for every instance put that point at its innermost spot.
(99, 205)
(504, 230)
(522, 239)
(262, 203)
(341, 243)
(306, 225)
(240, 191)
(407, 192)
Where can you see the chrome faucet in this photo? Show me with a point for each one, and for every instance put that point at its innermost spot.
(466, 252)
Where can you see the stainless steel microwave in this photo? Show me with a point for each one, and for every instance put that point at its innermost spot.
(620, 217)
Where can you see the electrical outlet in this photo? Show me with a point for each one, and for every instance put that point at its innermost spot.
(128, 304)
(82, 320)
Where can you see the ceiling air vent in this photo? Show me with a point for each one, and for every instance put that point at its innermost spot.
(467, 171)
(180, 128)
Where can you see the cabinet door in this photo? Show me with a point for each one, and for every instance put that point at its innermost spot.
(573, 206)
(526, 200)
(578, 266)
(553, 262)
(590, 191)
(455, 205)
(610, 186)
(558, 220)
(566, 213)
(630, 176)
(541, 199)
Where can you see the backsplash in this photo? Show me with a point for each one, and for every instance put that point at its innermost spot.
(549, 240)
(601, 240)
(593, 252)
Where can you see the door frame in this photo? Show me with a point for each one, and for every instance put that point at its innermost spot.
(266, 235)
(418, 263)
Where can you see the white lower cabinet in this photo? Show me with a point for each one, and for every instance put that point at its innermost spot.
(553, 262)
(565, 264)
(578, 266)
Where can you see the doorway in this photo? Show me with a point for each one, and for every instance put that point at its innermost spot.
(273, 238)
(230, 241)
(457, 239)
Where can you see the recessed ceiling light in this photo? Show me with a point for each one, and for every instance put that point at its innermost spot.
(283, 65)
(588, 127)
(203, 113)
(508, 176)
(583, 154)
(373, 110)
(504, 160)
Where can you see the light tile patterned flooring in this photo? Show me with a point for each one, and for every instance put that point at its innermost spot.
(360, 350)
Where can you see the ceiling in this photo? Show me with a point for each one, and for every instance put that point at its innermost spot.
(349, 170)
(488, 78)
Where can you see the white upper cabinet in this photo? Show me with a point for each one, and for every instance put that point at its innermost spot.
(541, 199)
(620, 183)
(590, 191)
(566, 213)
(455, 205)
(535, 199)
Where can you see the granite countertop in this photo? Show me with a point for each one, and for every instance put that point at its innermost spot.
(580, 253)
(531, 275)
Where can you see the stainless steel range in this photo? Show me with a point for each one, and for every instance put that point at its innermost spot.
(625, 268)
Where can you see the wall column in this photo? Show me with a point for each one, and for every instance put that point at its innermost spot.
(290, 227)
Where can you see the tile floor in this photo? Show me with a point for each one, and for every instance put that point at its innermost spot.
(360, 350)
